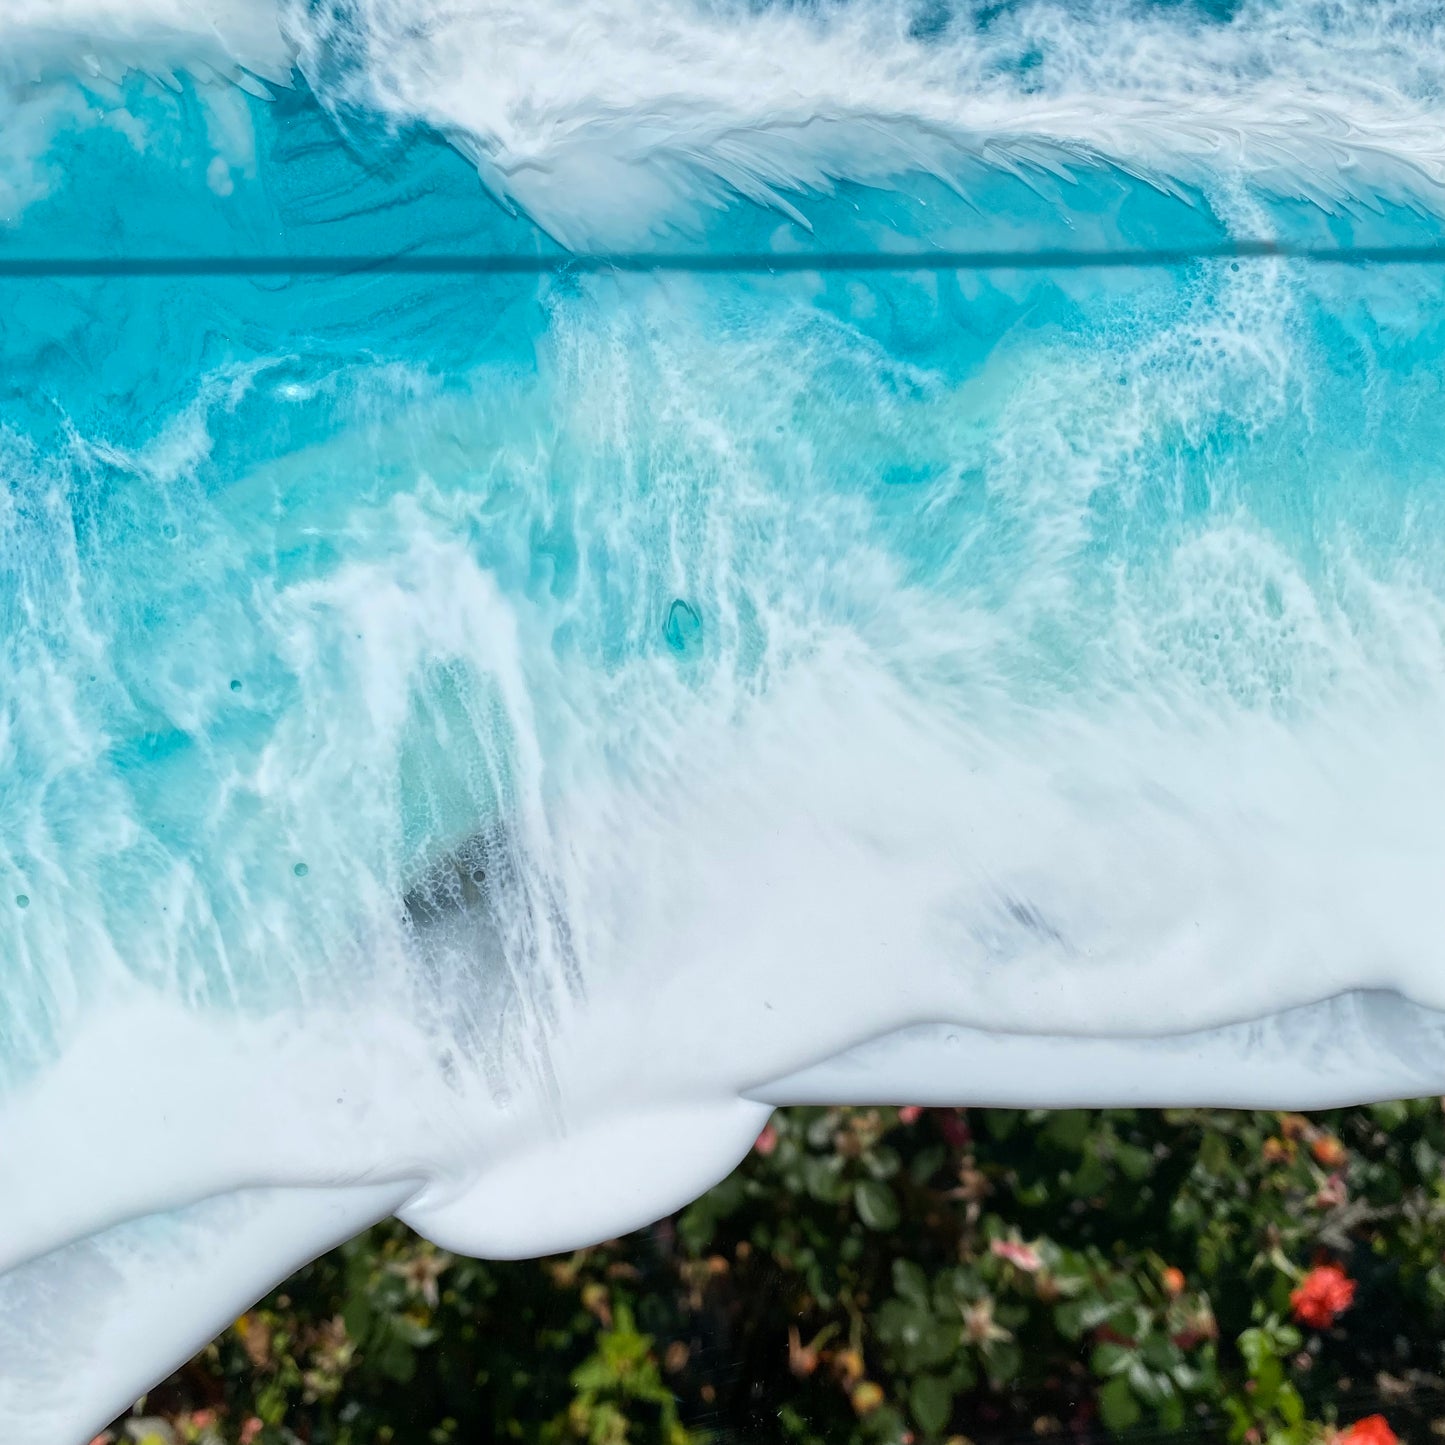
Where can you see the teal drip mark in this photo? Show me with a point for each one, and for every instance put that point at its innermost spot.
(683, 628)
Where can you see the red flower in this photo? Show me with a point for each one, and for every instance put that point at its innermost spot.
(1173, 1281)
(767, 1141)
(1323, 1293)
(910, 1114)
(1372, 1430)
(955, 1129)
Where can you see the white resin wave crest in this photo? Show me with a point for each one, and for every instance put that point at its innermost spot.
(607, 119)
(471, 746)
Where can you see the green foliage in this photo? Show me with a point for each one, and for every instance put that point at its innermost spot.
(884, 1276)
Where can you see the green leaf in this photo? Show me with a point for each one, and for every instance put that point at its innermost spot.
(910, 1282)
(876, 1206)
(1390, 1116)
(1186, 1214)
(1254, 1347)
(1001, 1122)
(1069, 1318)
(1090, 1178)
(882, 1162)
(1289, 1405)
(1135, 1162)
(927, 1162)
(1268, 1379)
(1004, 1360)
(1110, 1359)
(389, 1353)
(1187, 1378)
(963, 1376)
(931, 1400)
(821, 1178)
(1117, 1405)
(955, 1286)
(1427, 1161)
(1171, 1415)
(1149, 1386)
(915, 1337)
(356, 1315)
(1159, 1352)
(1068, 1128)
(1214, 1154)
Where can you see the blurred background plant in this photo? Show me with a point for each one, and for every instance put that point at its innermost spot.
(899, 1277)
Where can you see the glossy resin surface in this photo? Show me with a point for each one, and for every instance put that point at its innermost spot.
(570, 573)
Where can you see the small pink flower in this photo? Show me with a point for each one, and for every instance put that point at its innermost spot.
(1021, 1256)
(203, 1419)
(250, 1430)
(910, 1114)
(767, 1141)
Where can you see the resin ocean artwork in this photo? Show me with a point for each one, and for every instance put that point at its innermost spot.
(574, 572)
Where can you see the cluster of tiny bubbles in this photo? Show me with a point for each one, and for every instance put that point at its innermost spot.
(300, 870)
(22, 900)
